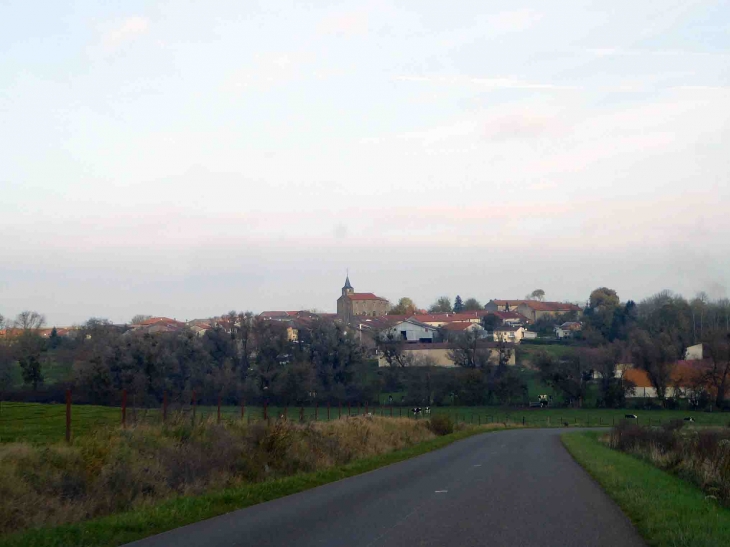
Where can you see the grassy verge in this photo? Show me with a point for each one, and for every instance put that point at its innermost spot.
(666, 510)
(149, 520)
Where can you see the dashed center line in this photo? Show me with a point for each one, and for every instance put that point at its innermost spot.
(441, 491)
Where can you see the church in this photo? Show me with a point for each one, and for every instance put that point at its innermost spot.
(352, 304)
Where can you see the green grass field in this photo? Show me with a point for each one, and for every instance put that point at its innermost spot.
(45, 423)
(666, 510)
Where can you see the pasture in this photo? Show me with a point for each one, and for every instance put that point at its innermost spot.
(46, 423)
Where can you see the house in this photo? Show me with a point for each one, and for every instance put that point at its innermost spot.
(696, 353)
(437, 354)
(454, 329)
(509, 333)
(396, 328)
(568, 329)
(503, 305)
(159, 324)
(687, 377)
(440, 319)
(352, 304)
(534, 310)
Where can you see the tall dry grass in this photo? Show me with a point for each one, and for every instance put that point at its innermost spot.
(115, 470)
(700, 455)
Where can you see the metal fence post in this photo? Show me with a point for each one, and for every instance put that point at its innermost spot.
(124, 408)
(68, 415)
(164, 406)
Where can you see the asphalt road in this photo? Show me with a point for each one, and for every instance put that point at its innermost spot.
(513, 488)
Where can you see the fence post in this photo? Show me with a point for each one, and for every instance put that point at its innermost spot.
(124, 408)
(266, 411)
(339, 409)
(286, 412)
(400, 411)
(349, 408)
(194, 406)
(523, 420)
(219, 409)
(359, 408)
(391, 411)
(243, 409)
(68, 415)
(164, 406)
(301, 414)
(367, 407)
(328, 411)
(316, 410)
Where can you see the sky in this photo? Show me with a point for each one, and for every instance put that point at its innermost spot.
(188, 158)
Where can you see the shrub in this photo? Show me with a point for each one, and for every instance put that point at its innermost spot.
(115, 470)
(441, 424)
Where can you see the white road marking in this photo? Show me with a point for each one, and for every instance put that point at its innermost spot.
(441, 491)
(478, 465)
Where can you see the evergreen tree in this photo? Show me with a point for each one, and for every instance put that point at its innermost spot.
(458, 305)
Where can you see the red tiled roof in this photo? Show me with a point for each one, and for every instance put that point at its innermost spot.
(551, 306)
(448, 317)
(685, 373)
(510, 302)
(364, 296)
(155, 320)
(458, 326)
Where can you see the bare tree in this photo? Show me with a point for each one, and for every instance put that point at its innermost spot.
(392, 347)
(469, 350)
(139, 318)
(30, 321)
(656, 355)
(537, 294)
(718, 347)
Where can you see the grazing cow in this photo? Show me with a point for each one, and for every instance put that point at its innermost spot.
(690, 419)
(416, 411)
(631, 417)
(427, 411)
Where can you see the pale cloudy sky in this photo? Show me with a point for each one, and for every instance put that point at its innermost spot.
(185, 158)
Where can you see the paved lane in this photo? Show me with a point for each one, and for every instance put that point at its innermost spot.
(513, 488)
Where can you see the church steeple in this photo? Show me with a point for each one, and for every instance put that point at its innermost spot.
(347, 289)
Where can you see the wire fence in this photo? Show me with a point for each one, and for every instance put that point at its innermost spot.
(39, 422)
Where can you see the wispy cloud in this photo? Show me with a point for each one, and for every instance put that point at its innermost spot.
(128, 29)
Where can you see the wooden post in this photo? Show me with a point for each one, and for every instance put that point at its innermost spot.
(243, 409)
(68, 415)
(286, 412)
(349, 408)
(367, 407)
(266, 410)
(316, 410)
(328, 411)
(359, 409)
(124, 408)
(194, 406)
(301, 414)
(219, 410)
(391, 411)
(164, 406)
(339, 409)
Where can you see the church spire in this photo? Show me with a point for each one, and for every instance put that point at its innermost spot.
(347, 289)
